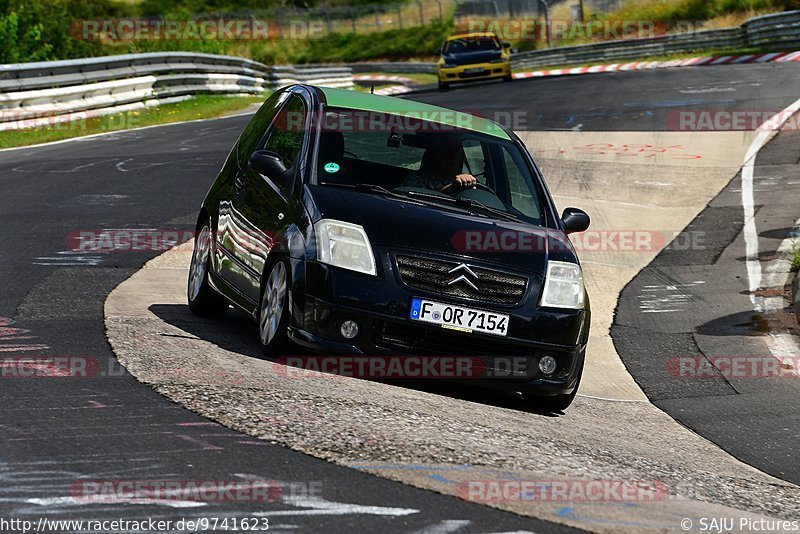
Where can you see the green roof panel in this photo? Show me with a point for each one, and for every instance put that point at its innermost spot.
(343, 98)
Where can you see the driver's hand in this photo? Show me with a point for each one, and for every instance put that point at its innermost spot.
(465, 180)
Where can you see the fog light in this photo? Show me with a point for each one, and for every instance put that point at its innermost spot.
(349, 329)
(547, 365)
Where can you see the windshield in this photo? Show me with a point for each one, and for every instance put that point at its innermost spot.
(427, 160)
(471, 44)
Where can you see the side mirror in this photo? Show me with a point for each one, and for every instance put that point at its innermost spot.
(506, 45)
(267, 163)
(575, 220)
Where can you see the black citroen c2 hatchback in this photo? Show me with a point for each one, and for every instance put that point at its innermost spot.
(359, 225)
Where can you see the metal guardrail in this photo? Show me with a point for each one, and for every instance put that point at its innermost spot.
(395, 68)
(40, 93)
(780, 30)
(327, 76)
(33, 94)
(631, 48)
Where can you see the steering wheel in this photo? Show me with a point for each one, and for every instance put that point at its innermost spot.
(476, 185)
(479, 185)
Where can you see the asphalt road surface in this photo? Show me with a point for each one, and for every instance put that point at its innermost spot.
(57, 432)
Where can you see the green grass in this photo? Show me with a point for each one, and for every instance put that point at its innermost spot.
(795, 260)
(682, 10)
(420, 43)
(200, 107)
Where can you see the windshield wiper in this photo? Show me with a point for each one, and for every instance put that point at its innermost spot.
(369, 188)
(468, 203)
(478, 205)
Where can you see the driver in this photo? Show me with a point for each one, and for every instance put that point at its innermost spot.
(440, 167)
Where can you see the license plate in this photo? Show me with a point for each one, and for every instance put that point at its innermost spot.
(474, 69)
(458, 317)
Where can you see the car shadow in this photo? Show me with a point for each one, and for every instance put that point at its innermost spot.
(236, 332)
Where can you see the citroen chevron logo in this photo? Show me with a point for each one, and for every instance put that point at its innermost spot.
(464, 270)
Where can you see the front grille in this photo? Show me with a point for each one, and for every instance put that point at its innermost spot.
(423, 341)
(438, 276)
(474, 74)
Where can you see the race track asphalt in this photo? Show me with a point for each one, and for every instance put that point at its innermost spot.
(58, 431)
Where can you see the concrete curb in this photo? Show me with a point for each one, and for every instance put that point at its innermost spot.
(434, 442)
(702, 61)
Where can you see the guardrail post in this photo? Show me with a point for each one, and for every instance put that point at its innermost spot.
(352, 18)
(546, 21)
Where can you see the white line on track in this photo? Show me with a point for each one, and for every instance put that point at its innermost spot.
(779, 344)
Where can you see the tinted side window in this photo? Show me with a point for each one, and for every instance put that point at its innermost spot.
(252, 135)
(286, 137)
(474, 162)
(523, 196)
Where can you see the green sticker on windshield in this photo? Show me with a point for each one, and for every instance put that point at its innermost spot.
(331, 167)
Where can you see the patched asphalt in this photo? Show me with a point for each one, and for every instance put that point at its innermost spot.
(693, 301)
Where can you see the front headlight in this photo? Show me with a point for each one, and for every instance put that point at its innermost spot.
(344, 245)
(448, 66)
(563, 286)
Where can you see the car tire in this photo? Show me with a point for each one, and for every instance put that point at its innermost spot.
(557, 403)
(203, 299)
(444, 86)
(509, 78)
(273, 308)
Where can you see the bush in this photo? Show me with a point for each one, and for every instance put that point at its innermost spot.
(39, 30)
(665, 11)
(23, 42)
(389, 45)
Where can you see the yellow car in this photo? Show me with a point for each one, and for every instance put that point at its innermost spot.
(473, 56)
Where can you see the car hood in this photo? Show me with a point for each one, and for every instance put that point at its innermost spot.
(394, 225)
(468, 58)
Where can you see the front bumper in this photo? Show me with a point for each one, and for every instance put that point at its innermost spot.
(381, 306)
(480, 71)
